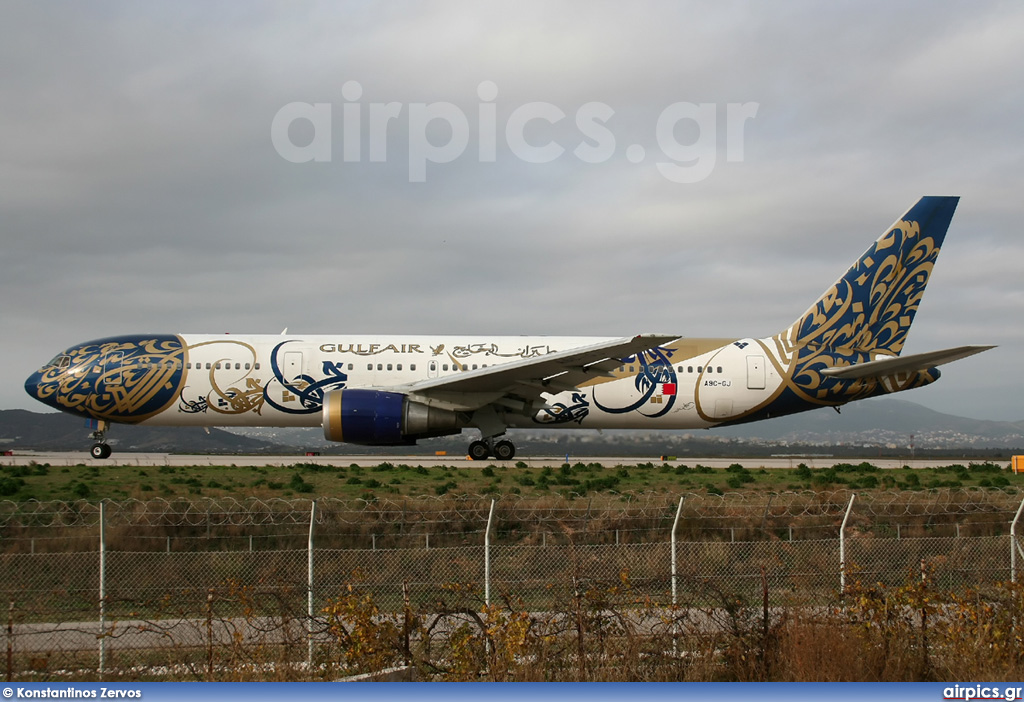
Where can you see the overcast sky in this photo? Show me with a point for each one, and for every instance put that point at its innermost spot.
(143, 188)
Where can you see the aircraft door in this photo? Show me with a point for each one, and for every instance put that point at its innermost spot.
(755, 373)
(292, 365)
(113, 371)
(431, 369)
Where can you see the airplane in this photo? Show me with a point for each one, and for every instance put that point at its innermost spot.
(394, 390)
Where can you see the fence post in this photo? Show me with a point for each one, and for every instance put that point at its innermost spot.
(675, 576)
(675, 524)
(842, 546)
(10, 641)
(1014, 547)
(103, 585)
(209, 635)
(309, 604)
(487, 556)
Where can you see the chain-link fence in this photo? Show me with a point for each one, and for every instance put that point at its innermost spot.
(167, 588)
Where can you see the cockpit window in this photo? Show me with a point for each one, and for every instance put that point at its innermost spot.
(61, 361)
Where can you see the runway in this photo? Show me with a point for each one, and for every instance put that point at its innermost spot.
(73, 458)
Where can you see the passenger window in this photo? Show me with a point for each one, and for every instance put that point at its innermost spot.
(350, 366)
(369, 366)
(474, 366)
(398, 367)
(389, 366)
(247, 366)
(380, 366)
(433, 366)
(700, 369)
(238, 366)
(412, 366)
(444, 367)
(719, 369)
(256, 366)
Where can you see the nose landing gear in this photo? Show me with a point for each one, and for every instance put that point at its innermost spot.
(101, 449)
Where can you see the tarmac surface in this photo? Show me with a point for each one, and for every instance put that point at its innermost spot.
(73, 458)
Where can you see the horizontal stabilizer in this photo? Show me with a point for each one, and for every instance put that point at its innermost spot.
(903, 364)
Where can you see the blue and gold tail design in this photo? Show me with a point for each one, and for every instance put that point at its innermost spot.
(871, 308)
(865, 316)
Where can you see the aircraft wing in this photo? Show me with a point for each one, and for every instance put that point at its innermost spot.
(529, 377)
(903, 364)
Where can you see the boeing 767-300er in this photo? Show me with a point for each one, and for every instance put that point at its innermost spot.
(393, 390)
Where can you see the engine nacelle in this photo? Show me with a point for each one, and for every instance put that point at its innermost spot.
(377, 418)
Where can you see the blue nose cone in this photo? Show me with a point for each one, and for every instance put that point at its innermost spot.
(34, 387)
(118, 379)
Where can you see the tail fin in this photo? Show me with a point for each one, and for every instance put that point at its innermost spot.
(871, 308)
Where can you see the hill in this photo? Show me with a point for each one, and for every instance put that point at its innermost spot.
(54, 431)
(884, 425)
(883, 422)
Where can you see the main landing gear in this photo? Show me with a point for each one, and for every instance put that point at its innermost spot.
(483, 449)
(101, 449)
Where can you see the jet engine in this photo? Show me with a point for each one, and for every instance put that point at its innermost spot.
(377, 418)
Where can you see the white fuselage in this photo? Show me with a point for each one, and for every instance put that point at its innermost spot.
(262, 380)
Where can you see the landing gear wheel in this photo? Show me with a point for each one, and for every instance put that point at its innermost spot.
(504, 450)
(479, 451)
(100, 451)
